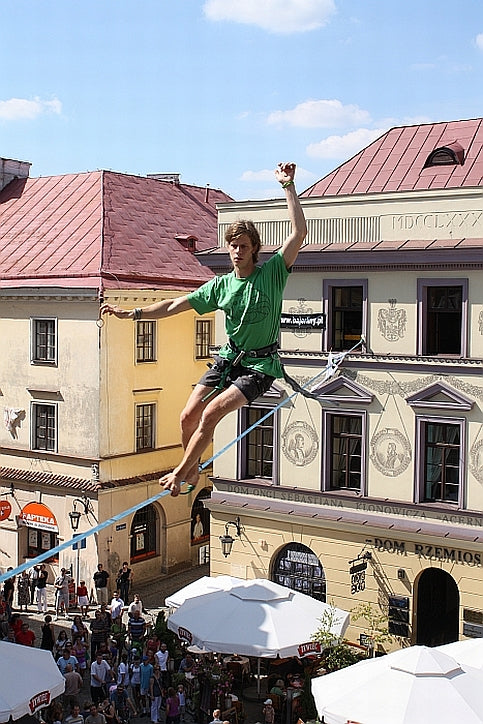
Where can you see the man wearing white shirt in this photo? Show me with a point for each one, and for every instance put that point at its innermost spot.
(117, 606)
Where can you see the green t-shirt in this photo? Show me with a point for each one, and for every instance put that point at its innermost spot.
(252, 309)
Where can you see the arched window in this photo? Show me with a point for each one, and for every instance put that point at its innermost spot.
(450, 155)
(297, 567)
(144, 534)
(200, 519)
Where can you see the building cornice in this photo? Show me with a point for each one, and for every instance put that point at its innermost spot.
(355, 513)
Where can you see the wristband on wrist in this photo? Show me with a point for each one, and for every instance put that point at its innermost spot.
(137, 314)
(288, 183)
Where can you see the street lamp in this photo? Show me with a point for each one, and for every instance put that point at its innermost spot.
(227, 540)
(75, 517)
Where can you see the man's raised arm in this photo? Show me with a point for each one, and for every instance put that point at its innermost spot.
(285, 175)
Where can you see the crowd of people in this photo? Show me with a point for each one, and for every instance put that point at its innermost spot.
(109, 653)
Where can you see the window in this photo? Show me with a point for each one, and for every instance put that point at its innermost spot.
(441, 462)
(44, 335)
(200, 519)
(146, 342)
(44, 427)
(346, 313)
(39, 541)
(451, 155)
(144, 533)
(258, 444)
(442, 328)
(344, 435)
(297, 567)
(145, 432)
(203, 338)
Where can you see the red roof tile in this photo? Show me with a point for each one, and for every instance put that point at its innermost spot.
(395, 162)
(77, 229)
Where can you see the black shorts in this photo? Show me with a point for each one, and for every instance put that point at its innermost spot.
(251, 383)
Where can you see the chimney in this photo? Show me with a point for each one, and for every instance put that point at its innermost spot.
(172, 178)
(10, 169)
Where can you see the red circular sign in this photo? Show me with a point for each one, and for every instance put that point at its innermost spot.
(5, 509)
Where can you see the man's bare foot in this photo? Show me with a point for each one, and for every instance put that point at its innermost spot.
(171, 482)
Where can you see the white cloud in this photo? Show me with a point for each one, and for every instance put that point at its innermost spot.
(321, 114)
(275, 16)
(20, 108)
(479, 41)
(343, 147)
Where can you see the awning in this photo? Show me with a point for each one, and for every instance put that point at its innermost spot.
(38, 515)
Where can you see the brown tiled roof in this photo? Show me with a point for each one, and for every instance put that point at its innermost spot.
(395, 161)
(49, 479)
(78, 229)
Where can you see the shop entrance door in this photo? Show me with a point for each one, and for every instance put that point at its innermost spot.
(437, 608)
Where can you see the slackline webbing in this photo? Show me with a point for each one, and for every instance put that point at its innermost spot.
(329, 367)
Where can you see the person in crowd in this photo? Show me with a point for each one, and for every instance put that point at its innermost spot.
(83, 598)
(146, 672)
(101, 580)
(136, 627)
(8, 591)
(106, 708)
(79, 627)
(23, 591)
(76, 717)
(172, 707)
(25, 636)
(79, 650)
(95, 716)
(216, 717)
(61, 643)
(73, 687)
(279, 688)
(135, 605)
(100, 628)
(117, 607)
(33, 574)
(123, 671)
(122, 703)
(66, 659)
(61, 585)
(118, 636)
(135, 679)
(182, 701)
(41, 583)
(163, 657)
(268, 712)
(100, 676)
(124, 581)
(187, 664)
(155, 692)
(47, 641)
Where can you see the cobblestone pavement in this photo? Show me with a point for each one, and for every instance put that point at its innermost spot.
(152, 595)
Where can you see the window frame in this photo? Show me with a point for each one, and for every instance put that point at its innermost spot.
(151, 531)
(34, 342)
(242, 466)
(147, 448)
(327, 416)
(34, 437)
(142, 347)
(203, 346)
(420, 460)
(422, 326)
(328, 286)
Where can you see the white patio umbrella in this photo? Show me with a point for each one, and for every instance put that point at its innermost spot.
(467, 653)
(254, 618)
(205, 584)
(29, 680)
(410, 686)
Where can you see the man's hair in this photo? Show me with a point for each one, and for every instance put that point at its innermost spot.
(238, 228)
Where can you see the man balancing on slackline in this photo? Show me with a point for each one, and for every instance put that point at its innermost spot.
(251, 298)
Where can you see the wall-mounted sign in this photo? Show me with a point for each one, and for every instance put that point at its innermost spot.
(5, 509)
(302, 321)
(38, 515)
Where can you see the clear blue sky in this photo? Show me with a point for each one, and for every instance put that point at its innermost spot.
(221, 90)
